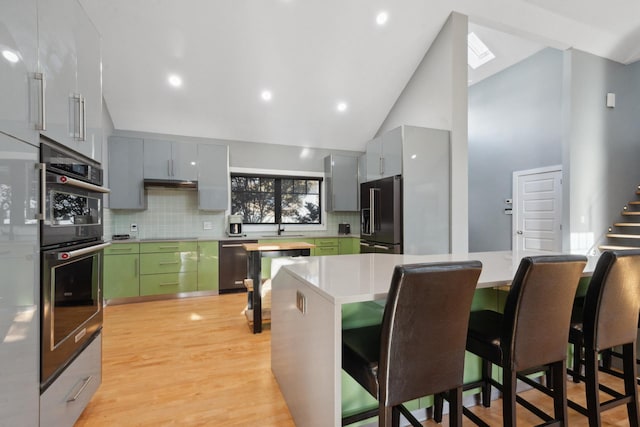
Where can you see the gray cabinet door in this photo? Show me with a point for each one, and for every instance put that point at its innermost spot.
(392, 153)
(157, 159)
(20, 285)
(125, 173)
(18, 38)
(70, 63)
(374, 158)
(213, 177)
(89, 85)
(341, 173)
(184, 158)
(58, 64)
(170, 160)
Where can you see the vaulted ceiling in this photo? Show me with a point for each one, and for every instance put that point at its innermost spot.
(312, 55)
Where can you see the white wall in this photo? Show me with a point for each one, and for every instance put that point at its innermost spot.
(436, 97)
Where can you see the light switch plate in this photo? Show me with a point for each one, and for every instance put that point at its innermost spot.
(134, 227)
(207, 225)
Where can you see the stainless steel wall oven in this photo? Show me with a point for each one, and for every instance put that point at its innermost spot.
(71, 257)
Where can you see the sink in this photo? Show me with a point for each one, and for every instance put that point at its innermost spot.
(282, 235)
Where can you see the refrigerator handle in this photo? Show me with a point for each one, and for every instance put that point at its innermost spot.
(372, 213)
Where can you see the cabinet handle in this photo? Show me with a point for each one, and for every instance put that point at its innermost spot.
(84, 385)
(172, 171)
(42, 125)
(168, 262)
(169, 167)
(83, 129)
(170, 284)
(77, 125)
(168, 247)
(120, 249)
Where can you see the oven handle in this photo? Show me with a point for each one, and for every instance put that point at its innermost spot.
(83, 251)
(63, 179)
(43, 190)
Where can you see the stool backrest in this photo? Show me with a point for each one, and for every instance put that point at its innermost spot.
(424, 329)
(537, 311)
(612, 301)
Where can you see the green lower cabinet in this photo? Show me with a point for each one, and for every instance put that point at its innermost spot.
(348, 245)
(170, 262)
(326, 246)
(168, 283)
(208, 266)
(121, 276)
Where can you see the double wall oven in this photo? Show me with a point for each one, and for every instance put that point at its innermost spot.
(71, 250)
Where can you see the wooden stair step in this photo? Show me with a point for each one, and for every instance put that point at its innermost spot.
(623, 236)
(635, 202)
(627, 224)
(616, 248)
(631, 213)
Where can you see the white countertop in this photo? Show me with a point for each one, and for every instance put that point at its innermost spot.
(365, 277)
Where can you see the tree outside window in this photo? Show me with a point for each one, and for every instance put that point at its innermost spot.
(271, 200)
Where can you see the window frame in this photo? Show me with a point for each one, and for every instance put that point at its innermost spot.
(279, 177)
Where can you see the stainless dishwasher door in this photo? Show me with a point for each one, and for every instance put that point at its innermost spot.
(232, 267)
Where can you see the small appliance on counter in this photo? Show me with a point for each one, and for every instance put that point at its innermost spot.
(344, 228)
(235, 225)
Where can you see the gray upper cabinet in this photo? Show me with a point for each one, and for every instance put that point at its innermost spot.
(341, 175)
(213, 177)
(384, 155)
(69, 66)
(18, 38)
(125, 173)
(170, 160)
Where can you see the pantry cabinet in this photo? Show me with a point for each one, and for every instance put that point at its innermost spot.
(170, 160)
(125, 173)
(70, 110)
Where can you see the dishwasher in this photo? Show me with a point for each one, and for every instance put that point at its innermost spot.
(232, 266)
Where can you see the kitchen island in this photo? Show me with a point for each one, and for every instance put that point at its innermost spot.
(306, 319)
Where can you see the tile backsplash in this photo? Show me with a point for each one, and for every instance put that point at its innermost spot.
(175, 214)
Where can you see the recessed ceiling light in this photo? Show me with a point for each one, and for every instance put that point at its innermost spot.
(10, 56)
(341, 107)
(266, 95)
(175, 80)
(382, 17)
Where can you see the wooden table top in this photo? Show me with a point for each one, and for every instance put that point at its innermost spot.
(284, 246)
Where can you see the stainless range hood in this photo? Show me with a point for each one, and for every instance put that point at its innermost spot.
(172, 184)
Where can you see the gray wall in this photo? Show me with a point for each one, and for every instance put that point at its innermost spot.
(601, 145)
(436, 97)
(515, 123)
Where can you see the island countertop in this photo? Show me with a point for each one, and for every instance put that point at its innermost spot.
(366, 277)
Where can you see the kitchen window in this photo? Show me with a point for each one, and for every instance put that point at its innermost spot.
(267, 199)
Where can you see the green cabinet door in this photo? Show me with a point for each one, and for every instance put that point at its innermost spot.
(349, 245)
(121, 276)
(208, 266)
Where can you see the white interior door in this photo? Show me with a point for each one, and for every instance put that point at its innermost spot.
(537, 209)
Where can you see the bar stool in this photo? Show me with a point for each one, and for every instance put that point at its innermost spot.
(609, 319)
(418, 350)
(529, 337)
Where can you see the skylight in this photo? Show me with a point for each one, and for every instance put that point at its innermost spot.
(478, 53)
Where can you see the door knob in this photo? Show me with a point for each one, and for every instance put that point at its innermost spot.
(519, 232)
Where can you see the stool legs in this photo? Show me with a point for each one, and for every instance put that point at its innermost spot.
(509, 382)
(630, 386)
(559, 391)
(486, 386)
(388, 416)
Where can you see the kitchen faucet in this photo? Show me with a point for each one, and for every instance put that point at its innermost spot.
(280, 228)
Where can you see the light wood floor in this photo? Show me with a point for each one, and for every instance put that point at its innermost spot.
(194, 362)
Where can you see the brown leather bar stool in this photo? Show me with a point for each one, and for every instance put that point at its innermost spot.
(418, 350)
(609, 319)
(530, 336)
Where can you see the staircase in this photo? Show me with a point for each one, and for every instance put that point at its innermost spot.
(625, 235)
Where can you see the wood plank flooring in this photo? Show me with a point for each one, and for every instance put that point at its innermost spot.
(194, 362)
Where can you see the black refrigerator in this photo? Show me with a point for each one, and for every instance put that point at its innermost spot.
(381, 216)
